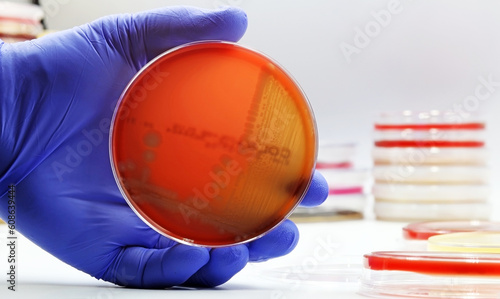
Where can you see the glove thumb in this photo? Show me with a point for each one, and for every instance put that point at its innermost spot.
(145, 35)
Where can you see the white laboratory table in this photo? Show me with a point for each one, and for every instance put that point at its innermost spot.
(330, 246)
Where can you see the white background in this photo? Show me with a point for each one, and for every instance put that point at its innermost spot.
(427, 55)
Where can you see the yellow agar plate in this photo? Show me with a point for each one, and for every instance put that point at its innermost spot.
(487, 242)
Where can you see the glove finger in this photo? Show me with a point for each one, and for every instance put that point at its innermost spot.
(278, 242)
(164, 242)
(317, 193)
(224, 263)
(156, 268)
(145, 35)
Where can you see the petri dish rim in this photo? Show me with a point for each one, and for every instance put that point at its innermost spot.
(425, 229)
(472, 241)
(140, 73)
(432, 262)
(430, 275)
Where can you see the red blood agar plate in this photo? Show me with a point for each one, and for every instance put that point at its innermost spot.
(434, 263)
(431, 275)
(426, 229)
(213, 144)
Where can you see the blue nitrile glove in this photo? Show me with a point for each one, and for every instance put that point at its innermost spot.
(57, 96)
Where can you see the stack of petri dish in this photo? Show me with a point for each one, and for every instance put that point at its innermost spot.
(460, 260)
(347, 185)
(430, 166)
(413, 274)
(20, 21)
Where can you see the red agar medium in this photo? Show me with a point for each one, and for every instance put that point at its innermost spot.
(213, 144)
(428, 143)
(425, 230)
(430, 126)
(434, 263)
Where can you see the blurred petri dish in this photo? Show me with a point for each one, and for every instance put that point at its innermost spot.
(335, 155)
(419, 211)
(343, 178)
(425, 230)
(437, 263)
(479, 241)
(20, 21)
(335, 208)
(431, 275)
(430, 135)
(302, 215)
(430, 155)
(436, 193)
(425, 120)
(213, 144)
(431, 174)
(429, 143)
(319, 274)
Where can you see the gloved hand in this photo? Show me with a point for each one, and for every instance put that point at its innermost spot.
(57, 96)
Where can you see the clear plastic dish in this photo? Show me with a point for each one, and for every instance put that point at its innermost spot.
(431, 174)
(343, 178)
(425, 120)
(431, 275)
(335, 155)
(431, 211)
(479, 241)
(436, 193)
(414, 156)
(24, 12)
(323, 273)
(425, 230)
(213, 144)
(430, 135)
(335, 207)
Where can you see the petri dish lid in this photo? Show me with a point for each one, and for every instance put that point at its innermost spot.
(403, 211)
(430, 135)
(324, 273)
(342, 178)
(21, 12)
(425, 120)
(431, 174)
(480, 241)
(438, 193)
(426, 229)
(431, 275)
(434, 263)
(430, 156)
(213, 144)
(335, 155)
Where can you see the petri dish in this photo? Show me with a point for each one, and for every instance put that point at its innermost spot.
(336, 155)
(426, 120)
(431, 174)
(342, 178)
(427, 129)
(426, 229)
(319, 275)
(435, 193)
(20, 21)
(431, 134)
(421, 211)
(335, 208)
(213, 144)
(430, 275)
(479, 241)
(430, 155)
